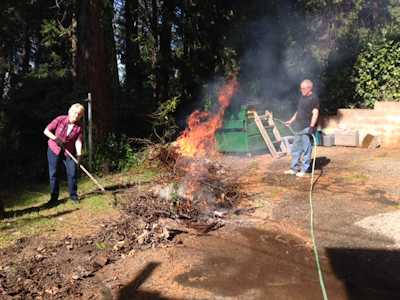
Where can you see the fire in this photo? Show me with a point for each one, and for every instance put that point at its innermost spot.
(198, 139)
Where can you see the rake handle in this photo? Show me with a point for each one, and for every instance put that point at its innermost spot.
(86, 171)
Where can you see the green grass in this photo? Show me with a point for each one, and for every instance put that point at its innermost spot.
(97, 204)
(21, 199)
(24, 196)
(30, 224)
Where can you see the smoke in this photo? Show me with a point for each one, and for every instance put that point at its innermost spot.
(277, 47)
(278, 57)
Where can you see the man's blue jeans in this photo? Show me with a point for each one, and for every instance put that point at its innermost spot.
(301, 147)
(70, 166)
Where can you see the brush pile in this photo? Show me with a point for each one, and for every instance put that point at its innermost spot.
(193, 198)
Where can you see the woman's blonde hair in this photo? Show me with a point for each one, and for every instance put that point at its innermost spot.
(77, 107)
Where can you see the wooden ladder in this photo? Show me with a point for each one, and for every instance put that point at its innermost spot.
(281, 148)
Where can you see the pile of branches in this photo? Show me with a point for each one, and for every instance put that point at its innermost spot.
(151, 215)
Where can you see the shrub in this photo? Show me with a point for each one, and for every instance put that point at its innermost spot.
(114, 154)
(377, 73)
(164, 125)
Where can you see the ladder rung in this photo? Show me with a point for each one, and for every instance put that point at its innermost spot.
(264, 134)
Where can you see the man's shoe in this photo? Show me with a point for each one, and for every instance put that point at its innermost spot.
(301, 174)
(290, 172)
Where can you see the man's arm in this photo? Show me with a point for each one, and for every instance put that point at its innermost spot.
(314, 118)
(291, 120)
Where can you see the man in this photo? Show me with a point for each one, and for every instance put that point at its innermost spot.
(304, 123)
(64, 133)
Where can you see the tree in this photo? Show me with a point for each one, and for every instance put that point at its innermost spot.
(131, 54)
(97, 66)
(1, 209)
(164, 63)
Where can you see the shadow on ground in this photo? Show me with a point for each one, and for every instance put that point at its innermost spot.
(112, 190)
(131, 290)
(35, 218)
(321, 162)
(36, 209)
(368, 274)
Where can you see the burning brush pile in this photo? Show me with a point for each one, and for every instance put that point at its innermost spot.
(198, 139)
(202, 183)
(200, 189)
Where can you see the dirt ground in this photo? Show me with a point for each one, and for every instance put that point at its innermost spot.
(264, 252)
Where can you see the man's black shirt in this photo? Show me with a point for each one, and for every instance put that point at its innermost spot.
(305, 107)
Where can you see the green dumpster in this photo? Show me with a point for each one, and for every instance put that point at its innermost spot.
(239, 134)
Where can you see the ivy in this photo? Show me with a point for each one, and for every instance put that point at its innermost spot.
(377, 73)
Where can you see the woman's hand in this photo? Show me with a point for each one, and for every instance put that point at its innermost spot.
(59, 142)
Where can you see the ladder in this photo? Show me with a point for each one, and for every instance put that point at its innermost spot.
(276, 147)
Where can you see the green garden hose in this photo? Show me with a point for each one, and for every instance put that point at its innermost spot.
(315, 249)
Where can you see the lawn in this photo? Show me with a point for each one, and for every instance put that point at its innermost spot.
(27, 213)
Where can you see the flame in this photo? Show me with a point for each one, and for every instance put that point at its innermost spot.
(198, 139)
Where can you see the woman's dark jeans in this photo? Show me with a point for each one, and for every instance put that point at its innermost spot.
(54, 166)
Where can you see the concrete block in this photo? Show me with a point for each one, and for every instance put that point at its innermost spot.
(391, 141)
(347, 138)
(382, 121)
(387, 106)
(327, 140)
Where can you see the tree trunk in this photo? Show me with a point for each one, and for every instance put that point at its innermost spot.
(97, 66)
(132, 58)
(2, 75)
(111, 48)
(186, 81)
(26, 51)
(1, 86)
(375, 13)
(165, 60)
(1, 209)
(154, 21)
(154, 31)
(74, 46)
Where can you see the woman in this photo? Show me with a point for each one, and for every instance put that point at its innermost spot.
(65, 133)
